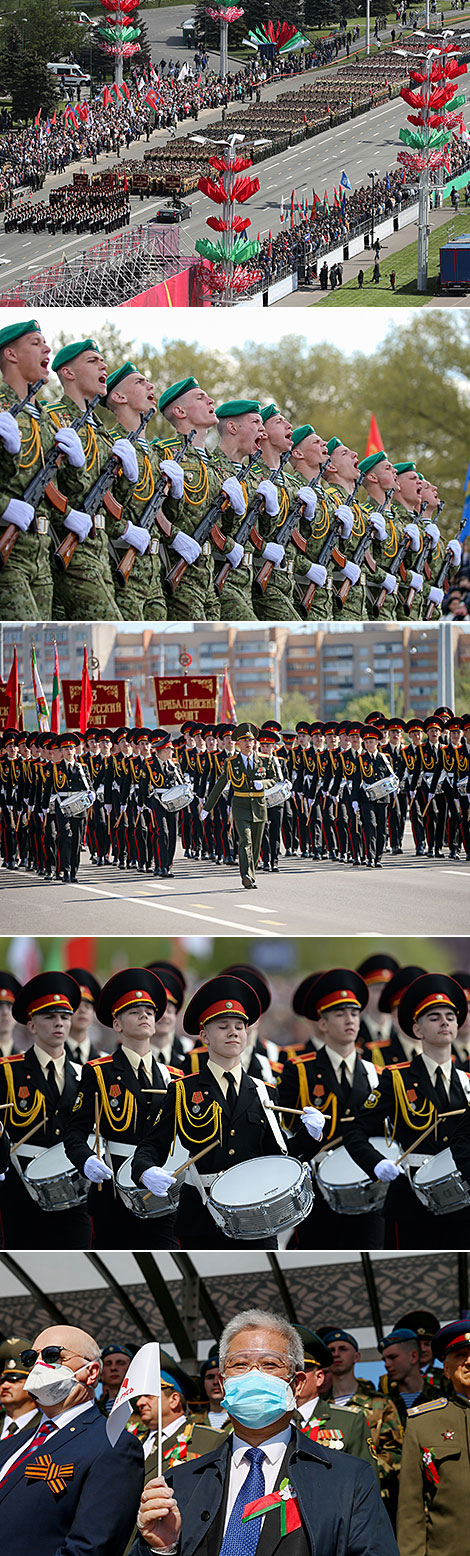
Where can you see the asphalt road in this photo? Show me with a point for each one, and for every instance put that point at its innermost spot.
(415, 896)
(369, 141)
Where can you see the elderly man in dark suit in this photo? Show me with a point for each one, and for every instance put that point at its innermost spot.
(63, 1488)
(267, 1484)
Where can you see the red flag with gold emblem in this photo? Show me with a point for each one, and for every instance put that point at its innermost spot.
(374, 441)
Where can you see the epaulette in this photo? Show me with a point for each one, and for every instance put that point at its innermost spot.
(178, 1074)
(353, 1409)
(12, 1058)
(278, 1068)
(59, 407)
(304, 1058)
(105, 1060)
(430, 1404)
(401, 1064)
(379, 1042)
(165, 443)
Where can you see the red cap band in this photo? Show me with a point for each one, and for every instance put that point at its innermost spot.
(133, 997)
(224, 1008)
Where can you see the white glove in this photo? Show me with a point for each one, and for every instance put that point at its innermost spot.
(157, 1180)
(96, 1171)
(135, 536)
(317, 574)
(378, 523)
(413, 532)
(127, 456)
(186, 546)
(386, 1171)
(314, 1122)
(417, 581)
(233, 489)
(347, 519)
(19, 513)
(175, 475)
(10, 433)
(267, 490)
(108, 809)
(2, 1177)
(434, 533)
(355, 806)
(389, 583)
(453, 546)
(436, 596)
(306, 495)
(352, 571)
(79, 522)
(203, 814)
(274, 553)
(235, 555)
(69, 443)
(258, 784)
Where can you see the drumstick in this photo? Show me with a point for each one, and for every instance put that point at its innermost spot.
(4, 1105)
(154, 1091)
(297, 1112)
(189, 1163)
(97, 1133)
(31, 1132)
(455, 1113)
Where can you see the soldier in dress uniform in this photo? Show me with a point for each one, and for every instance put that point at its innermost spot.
(434, 1501)
(376, 1027)
(9, 988)
(39, 1087)
(248, 776)
(160, 772)
(78, 1042)
(324, 1422)
(166, 1045)
(223, 1109)
(66, 776)
(371, 766)
(123, 1092)
(116, 790)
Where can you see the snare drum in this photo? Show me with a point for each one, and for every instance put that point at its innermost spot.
(176, 798)
(383, 789)
(53, 1181)
(138, 1199)
(75, 804)
(278, 793)
(346, 1187)
(440, 1186)
(262, 1197)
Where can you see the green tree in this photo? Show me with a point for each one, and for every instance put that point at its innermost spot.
(51, 30)
(26, 78)
(462, 689)
(360, 707)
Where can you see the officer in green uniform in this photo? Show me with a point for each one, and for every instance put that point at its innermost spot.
(26, 580)
(379, 477)
(276, 602)
(324, 1422)
(434, 1501)
(241, 434)
(381, 1413)
(249, 776)
(189, 409)
(340, 480)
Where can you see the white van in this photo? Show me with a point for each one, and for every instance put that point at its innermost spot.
(69, 75)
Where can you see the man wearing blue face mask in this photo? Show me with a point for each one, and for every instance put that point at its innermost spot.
(268, 1483)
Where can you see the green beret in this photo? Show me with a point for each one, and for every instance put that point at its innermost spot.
(334, 443)
(420, 477)
(175, 391)
(372, 460)
(120, 373)
(13, 332)
(269, 410)
(300, 433)
(236, 408)
(67, 353)
(406, 464)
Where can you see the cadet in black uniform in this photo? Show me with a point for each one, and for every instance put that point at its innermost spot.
(223, 1108)
(128, 1085)
(66, 777)
(39, 1087)
(370, 767)
(78, 1042)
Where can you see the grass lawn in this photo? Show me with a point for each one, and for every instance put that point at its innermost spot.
(405, 264)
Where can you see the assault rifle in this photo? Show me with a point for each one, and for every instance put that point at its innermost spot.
(99, 494)
(11, 531)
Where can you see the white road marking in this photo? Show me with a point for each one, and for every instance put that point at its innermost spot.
(205, 918)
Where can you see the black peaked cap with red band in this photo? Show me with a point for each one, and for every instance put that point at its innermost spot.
(134, 986)
(339, 986)
(428, 992)
(224, 995)
(46, 992)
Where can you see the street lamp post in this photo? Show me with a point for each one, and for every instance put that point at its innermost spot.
(373, 175)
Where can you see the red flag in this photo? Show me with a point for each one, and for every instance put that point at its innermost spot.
(55, 700)
(116, 91)
(107, 99)
(54, 117)
(38, 116)
(152, 99)
(125, 89)
(69, 114)
(12, 691)
(228, 712)
(125, 182)
(374, 441)
(86, 698)
(138, 716)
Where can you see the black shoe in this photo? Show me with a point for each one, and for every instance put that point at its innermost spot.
(66, 877)
(275, 869)
(355, 863)
(420, 851)
(157, 871)
(264, 867)
(247, 883)
(370, 865)
(378, 865)
(430, 853)
(439, 854)
(73, 877)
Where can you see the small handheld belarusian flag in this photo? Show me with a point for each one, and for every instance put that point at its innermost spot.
(42, 710)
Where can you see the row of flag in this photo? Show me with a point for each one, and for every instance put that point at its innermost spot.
(50, 720)
(321, 207)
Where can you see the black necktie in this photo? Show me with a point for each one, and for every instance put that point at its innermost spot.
(142, 1076)
(344, 1083)
(440, 1090)
(12, 1428)
(52, 1083)
(231, 1097)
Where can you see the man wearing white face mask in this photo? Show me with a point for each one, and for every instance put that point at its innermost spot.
(317, 1500)
(78, 1492)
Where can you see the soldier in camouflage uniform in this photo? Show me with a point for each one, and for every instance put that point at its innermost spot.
(277, 602)
(309, 452)
(186, 406)
(431, 508)
(434, 1506)
(26, 581)
(339, 481)
(406, 509)
(129, 396)
(379, 477)
(382, 1415)
(241, 434)
(403, 1380)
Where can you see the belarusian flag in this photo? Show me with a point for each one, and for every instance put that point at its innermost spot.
(337, 200)
(285, 1500)
(55, 706)
(326, 207)
(374, 441)
(125, 90)
(42, 710)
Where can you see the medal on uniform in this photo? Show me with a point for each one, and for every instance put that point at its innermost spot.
(23, 1093)
(114, 1092)
(196, 1099)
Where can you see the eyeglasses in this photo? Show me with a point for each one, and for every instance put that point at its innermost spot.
(242, 1362)
(50, 1354)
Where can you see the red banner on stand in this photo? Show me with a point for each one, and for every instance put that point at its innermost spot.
(181, 697)
(109, 705)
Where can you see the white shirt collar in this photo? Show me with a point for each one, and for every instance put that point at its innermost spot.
(135, 1060)
(45, 1059)
(173, 1426)
(66, 1415)
(274, 1447)
(219, 1072)
(432, 1065)
(337, 1059)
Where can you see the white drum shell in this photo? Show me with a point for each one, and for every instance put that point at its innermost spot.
(176, 798)
(137, 1198)
(77, 803)
(439, 1184)
(278, 793)
(262, 1197)
(346, 1187)
(383, 788)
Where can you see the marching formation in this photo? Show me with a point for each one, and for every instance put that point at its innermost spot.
(101, 523)
(235, 795)
(352, 1129)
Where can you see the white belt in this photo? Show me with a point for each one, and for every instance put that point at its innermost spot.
(42, 526)
(99, 521)
(154, 547)
(116, 1149)
(208, 1178)
(206, 548)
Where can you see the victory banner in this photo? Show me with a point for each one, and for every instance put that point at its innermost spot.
(5, 703)
(182, 697)
(108, 708)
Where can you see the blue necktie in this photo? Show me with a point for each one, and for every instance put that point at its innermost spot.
(242, 1539)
